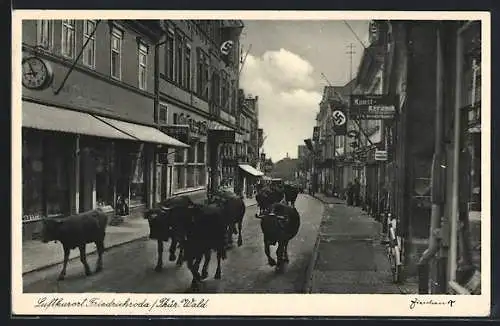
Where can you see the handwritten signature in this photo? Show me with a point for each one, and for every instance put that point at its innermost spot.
(415, 302)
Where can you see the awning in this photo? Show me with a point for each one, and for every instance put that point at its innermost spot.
(251, 170)
(144, 133)
(43, 117)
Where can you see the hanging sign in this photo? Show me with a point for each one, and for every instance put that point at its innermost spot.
(373, 107)
(380, 155)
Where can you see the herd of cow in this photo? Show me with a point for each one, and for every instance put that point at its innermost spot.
(194, 230)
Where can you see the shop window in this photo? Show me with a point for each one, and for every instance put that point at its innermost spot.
(192, 153)
(201, 176)
(104, 177)
(179, 155)
(201, 152)
(180, 177)
(56, 169)
(32, 177)
(137, 184)
(190, 176)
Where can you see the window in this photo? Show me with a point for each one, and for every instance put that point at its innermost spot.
(143, 62)
(215, 88)
(180, 177)
(163, 114)
(191, 153)
(68, 38)
(169, 56)
(137, 185)
(89, 52)
(190, 176)
(116, 54)
(201, 78)
(179, 156)
(45, 33)
(187, 67)
(201, 152)
(179, 60)
(201, 176)
(175, 118)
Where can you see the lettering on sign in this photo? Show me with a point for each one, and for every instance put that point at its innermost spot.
(373, 107)
(380, 155)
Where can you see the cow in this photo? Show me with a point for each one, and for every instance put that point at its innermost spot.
(205, 231)
(76, 231)
(233, 208)
(267, 196)
(166, 223)
(291, 193)
(279, 225)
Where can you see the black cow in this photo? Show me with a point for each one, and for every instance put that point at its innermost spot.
(267, 196)
(76, 231)
(166, 222)
(291, 193)
(233, 208)
(205, 231)
(280, 225)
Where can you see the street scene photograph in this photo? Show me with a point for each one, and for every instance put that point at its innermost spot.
(252, 156)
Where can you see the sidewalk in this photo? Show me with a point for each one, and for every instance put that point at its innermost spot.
(38, 255)
(349, 257)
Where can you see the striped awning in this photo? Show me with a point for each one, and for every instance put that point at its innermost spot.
(145, 133)
(43, 117)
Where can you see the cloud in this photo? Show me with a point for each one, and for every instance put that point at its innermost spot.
(288, 102)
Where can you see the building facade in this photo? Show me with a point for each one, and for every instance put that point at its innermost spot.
(137, 111)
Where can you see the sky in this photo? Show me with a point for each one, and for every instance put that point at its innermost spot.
(283, 68)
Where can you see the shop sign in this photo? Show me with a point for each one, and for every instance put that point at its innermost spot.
(179, 132)
(196, 127)
(380, 155)
(373, 107)
(223, 136)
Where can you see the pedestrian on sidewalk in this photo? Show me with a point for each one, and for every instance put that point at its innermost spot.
(350, 194)
(356, 189)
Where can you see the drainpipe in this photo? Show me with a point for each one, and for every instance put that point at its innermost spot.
(436, 179)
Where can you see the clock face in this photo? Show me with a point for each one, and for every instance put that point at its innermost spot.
(36, 73)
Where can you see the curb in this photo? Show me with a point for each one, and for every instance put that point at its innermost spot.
(142, 237)
(314, 255)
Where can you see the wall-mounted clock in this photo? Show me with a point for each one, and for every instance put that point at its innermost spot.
(37, 73)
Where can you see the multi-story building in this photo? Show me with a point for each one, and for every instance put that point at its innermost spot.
(248, 152)
(91, 129)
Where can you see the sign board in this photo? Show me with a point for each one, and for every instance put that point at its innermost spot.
(179, 132)
(373, 107)
(316, 134)
(380, 155)
(222, 136)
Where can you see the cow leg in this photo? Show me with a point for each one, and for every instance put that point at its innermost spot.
(100, 250)
(240, 239)
(206, 263)
(159, 263)
(195, 283)
(83, 259)
(65, 264)
(285, 253)
(270, 259)
(279, 256)
(173, 247)
(233, 228)
(218, 271)
(181, 254)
